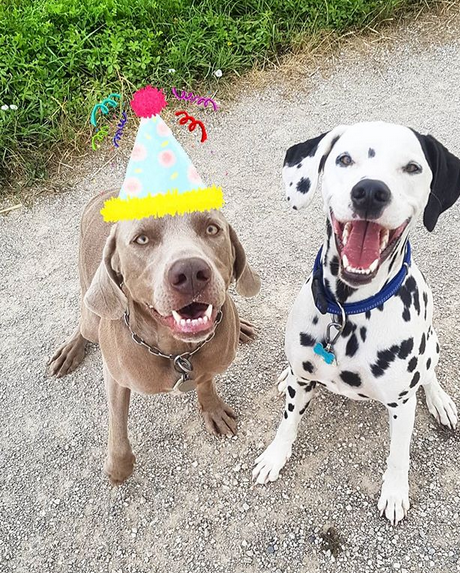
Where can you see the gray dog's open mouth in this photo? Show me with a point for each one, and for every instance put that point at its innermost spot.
(363, 246)
(195, 318)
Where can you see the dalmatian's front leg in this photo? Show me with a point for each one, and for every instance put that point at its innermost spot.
(394, 498)
(298, 396)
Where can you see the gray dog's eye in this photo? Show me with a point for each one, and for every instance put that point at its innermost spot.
(344, 160)
(212, 229)
(412, 167)
(141, 240)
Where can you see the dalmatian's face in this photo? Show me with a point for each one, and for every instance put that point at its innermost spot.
(375, 183)
(377, 179)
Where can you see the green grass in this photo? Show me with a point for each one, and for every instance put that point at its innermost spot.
(60, 57)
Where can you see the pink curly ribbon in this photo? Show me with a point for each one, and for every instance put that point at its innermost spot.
(121, 125)
(194, 98)
(193, 123)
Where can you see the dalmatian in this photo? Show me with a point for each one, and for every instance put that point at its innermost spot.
(361, 325)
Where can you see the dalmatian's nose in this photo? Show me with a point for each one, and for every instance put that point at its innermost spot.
(369, 197)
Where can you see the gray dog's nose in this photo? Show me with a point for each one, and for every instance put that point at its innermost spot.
(189, 276)
(369, 197)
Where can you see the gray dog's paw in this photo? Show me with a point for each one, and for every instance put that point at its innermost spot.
(68, 356)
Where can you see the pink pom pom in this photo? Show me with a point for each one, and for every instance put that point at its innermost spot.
(148, 101)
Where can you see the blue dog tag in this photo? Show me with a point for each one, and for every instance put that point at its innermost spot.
(328, 357)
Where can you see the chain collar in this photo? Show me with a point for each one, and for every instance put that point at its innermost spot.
(181, 362)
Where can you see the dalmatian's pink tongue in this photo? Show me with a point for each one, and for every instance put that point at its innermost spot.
(362, 246)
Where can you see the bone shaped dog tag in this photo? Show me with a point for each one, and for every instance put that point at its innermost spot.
(327, 356)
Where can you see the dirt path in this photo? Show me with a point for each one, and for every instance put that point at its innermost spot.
(190, 505)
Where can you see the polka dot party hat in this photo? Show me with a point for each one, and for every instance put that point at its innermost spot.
(160, 179)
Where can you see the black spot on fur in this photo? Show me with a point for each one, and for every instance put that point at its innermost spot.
(406, 400)
(306, 339)
(392, 405)
(302, 411)
(291, 407)
(412, 364)
(348, 328)
(415, 379)
(428, 363)
(294, 207)
(363, 333)
(437, 348)
(406, 315)
(380, 307)
(406, 348)
(422, 346)
(351, 378)
(416, 301)
(371, 152)
(401, 394)
(291, 391)
(315, 320)
(308, 366)
(299, 165)
(384, 359)
(310, 386)
(290, 185)
(352, 346)
(368, 314)
(328, 228)
(285, 415)
(363, 395)
(335, 265)
(395, 416)
(411, 284)
(343, 291)
(303, 186)
(425, 301)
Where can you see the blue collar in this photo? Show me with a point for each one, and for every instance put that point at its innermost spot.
(326, 303)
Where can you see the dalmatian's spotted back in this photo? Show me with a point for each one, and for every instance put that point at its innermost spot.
(377, 178)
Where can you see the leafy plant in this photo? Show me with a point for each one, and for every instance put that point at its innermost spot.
(60, 57)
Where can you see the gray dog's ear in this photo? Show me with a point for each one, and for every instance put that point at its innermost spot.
(303, 164)
(445, 184)
(247, 281)
(104, 296)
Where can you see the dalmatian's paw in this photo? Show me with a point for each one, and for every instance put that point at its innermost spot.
(271, 462)
(282, 382)
(441, 406)
(394, 498)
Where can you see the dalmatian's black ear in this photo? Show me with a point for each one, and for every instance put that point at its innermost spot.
(303, 164)
(445, 184)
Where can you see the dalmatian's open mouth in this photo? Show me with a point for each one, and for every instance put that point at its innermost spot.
(363, 246)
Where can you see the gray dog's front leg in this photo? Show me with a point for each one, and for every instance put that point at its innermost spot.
(120, 460)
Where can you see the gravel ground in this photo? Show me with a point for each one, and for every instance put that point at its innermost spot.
(190, 505)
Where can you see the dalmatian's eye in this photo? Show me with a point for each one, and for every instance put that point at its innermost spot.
(412, 168)
(344, 160)
(141, 240)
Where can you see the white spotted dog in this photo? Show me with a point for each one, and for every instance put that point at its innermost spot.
(362, 324)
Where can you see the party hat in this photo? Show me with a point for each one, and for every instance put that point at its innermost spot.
(160, 178)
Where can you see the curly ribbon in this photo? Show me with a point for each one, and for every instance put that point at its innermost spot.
(193, 123)
(194, 98)
(104, 107)
(121, 125)
(99, 136)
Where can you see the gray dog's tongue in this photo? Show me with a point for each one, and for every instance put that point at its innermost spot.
(363, 245)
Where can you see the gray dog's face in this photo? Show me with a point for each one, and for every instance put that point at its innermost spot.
(177, 269)
(378, 178)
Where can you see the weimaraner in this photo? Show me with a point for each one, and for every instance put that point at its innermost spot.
(162, 285)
